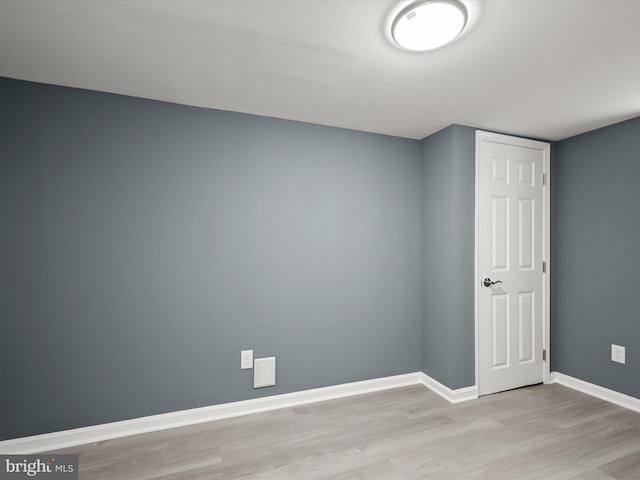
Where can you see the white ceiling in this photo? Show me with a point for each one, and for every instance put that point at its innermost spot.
(545, 69)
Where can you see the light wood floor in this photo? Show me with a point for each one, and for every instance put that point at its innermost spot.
(541, 432)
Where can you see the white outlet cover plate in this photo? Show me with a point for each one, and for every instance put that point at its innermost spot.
(617, 353)
(246, 359)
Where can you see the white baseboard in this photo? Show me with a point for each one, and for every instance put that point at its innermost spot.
(626, 401)
(452, 396)
(183, 418)
(107, 431)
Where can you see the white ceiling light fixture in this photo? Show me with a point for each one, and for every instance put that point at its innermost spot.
(429, 24)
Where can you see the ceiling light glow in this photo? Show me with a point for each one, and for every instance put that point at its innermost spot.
(427, 25)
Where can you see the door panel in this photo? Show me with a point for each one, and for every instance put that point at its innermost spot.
(526, 326)
(511, 312)
(526, 234)
(500, 326)
(500, 234)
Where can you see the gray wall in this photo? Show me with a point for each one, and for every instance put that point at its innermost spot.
(595, 253)
(448, 199)
(144, 244)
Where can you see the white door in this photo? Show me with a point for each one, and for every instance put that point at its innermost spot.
(512, 241)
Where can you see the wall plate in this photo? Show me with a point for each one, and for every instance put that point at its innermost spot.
(246, 359)
(617, 353)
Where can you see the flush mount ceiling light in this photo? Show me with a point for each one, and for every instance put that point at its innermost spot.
(430, 24)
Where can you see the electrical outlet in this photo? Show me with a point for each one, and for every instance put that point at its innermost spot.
(617, 353)
(246, 359)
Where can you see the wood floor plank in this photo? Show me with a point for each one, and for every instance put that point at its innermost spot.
(543, 432)
(624, 468)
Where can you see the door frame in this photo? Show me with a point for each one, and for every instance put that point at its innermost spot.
(546, 244)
